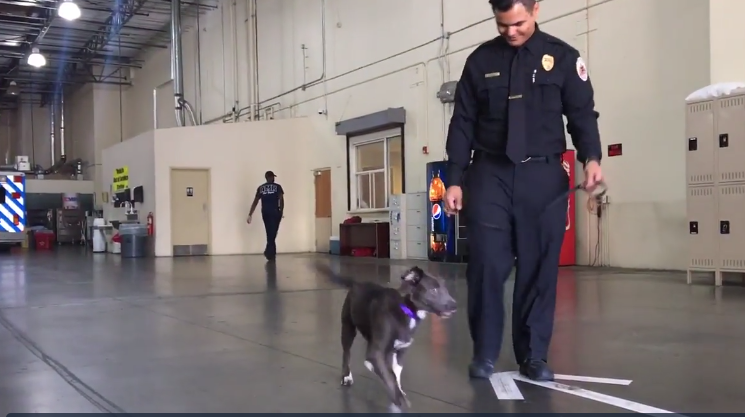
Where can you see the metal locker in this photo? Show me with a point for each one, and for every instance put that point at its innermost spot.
(397, 225)
(731, 227)
(730, 138)
(700, 162)
(703, 229)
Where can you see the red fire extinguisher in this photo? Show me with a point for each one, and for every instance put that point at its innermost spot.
(150, 224)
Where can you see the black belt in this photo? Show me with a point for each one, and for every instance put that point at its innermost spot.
(503, 158)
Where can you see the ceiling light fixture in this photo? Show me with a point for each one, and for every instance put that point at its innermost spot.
(36, 59)
(68, 10)
(13, 89)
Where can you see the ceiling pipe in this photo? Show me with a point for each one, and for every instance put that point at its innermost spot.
(177, 64)
(62, 152)
(51, 130)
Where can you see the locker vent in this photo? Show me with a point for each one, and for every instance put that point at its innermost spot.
(738, 264)
(731, 102)
(702, 178)
(702, 263)
(732, 189)
(700, 107)
(732, 176)
(700, 191)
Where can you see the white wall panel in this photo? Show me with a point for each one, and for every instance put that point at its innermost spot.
(137, 154)
(379, 55)
(223, 149)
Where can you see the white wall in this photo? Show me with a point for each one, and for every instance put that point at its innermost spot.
(237, 156)
(725, 23)
(384, 54)
(138, 154)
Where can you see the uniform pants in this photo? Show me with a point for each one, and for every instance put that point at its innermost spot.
(271, 224)
(514, 218)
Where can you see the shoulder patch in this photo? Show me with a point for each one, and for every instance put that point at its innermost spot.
(581, 69)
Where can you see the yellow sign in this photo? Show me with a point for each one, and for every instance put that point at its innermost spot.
(121, 179)
(547, 62)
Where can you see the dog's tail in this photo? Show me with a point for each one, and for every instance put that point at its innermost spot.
(324, 269)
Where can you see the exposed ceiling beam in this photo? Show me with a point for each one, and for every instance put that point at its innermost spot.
(29, 12)
(108, 31)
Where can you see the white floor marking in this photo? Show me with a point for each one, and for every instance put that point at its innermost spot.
(505, 387)
(593, 379)
(509, 391)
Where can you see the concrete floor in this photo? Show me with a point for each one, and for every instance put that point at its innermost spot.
(84, 333)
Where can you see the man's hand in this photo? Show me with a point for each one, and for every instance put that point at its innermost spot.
(453, 200)
(248, 220)
(593, 175)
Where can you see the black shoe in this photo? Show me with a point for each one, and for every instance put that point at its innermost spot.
(481, 369)
(537, 370)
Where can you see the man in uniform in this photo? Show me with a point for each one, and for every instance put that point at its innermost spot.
(272, 198)
(508, 111)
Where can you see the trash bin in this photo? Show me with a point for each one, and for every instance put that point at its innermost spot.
(134, 246)
(134, 240)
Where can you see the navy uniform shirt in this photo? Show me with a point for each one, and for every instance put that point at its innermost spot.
(558, 86)
(269, 193)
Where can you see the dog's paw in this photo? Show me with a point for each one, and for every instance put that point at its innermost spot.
(347, 381)
(393, 408)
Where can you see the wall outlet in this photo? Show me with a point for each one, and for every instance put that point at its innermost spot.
(605, 199)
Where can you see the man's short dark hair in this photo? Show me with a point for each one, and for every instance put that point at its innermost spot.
(506, 5)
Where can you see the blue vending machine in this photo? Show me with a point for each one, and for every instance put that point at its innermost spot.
(441, 229)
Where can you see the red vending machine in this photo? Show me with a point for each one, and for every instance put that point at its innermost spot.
(568, 248)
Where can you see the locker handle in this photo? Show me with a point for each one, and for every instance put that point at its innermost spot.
(724, 140)
(724, 228)
(692, 144)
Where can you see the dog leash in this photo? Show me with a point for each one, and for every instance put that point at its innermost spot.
(598, 193)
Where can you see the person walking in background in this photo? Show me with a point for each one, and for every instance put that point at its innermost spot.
(509, 104)
(272, 198)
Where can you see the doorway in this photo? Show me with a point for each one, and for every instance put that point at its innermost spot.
(190, 212)
(323, 209)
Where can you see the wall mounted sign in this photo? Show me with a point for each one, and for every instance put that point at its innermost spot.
(615, 149)
(121, 179)
(190, 191)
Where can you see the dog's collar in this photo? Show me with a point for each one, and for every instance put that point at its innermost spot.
(408, 311)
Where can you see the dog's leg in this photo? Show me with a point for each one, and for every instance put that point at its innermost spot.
(397, 367)
(376, 359)
(348, 333)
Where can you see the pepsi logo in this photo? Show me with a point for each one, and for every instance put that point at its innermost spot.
(436, 211)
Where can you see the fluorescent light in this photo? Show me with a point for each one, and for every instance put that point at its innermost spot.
(68, 10)
(10, 42)
(36, 59)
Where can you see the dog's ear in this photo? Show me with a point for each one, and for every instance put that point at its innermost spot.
(413, 275)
